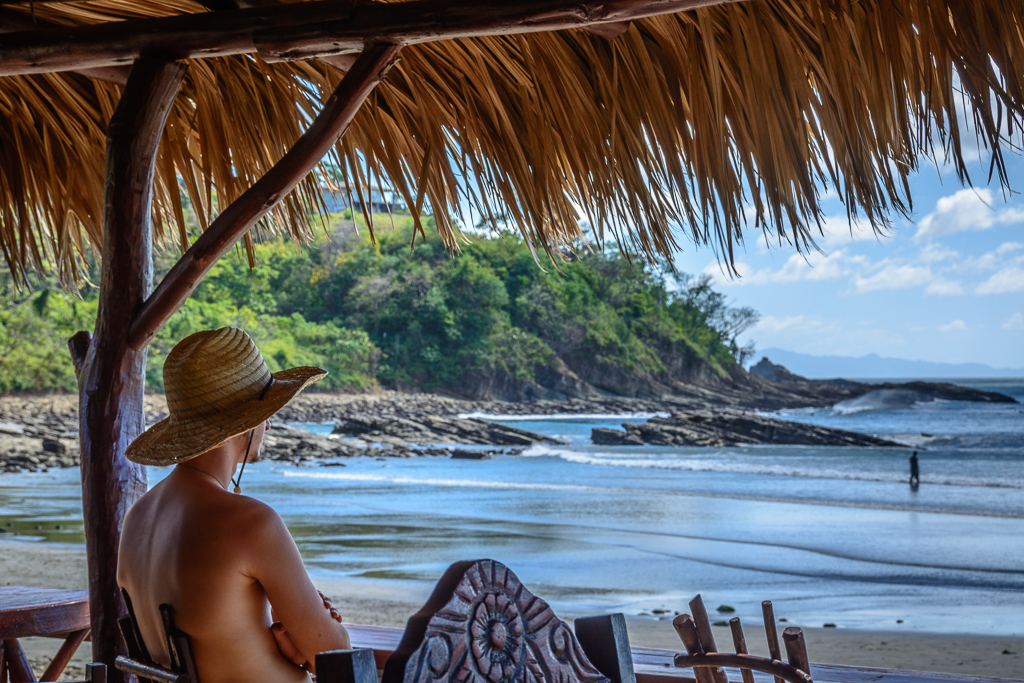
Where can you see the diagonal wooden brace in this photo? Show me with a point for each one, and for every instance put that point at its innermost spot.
(325, 131)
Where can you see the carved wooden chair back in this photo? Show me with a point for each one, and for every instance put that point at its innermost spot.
(481, 625)
(703, 656)
(138, 661)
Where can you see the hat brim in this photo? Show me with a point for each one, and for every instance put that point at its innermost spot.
(166, 444)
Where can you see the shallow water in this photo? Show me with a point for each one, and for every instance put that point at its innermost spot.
(829, 534)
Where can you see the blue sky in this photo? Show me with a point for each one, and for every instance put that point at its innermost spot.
(945, 287)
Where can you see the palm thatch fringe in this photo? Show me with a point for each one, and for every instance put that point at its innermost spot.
(693, 125)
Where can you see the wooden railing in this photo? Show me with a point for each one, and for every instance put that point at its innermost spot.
(657, 666)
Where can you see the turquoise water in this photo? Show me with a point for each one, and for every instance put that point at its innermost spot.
(829, 534)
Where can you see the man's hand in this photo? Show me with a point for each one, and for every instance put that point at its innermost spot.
(284, 642)
(327, 604)
(286, 647)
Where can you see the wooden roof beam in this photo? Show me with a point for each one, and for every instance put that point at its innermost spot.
(12, 22)
(339, 62)
(307, 30)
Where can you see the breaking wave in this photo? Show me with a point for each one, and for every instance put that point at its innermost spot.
(720, 461)
(882, 399)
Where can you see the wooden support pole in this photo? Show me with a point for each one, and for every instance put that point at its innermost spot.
(111, 375)
(312, 29)
(771, 633)
(258, 200)
(796, 648)
(740, 643)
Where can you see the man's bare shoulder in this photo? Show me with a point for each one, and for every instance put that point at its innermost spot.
(241, 516)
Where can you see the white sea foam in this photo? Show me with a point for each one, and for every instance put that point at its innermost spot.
(719, 461)
(882, 399)
(565, 417)
(430, 481)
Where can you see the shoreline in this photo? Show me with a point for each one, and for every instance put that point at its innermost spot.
(36, 564)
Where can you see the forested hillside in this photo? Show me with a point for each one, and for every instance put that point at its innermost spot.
(486, 323)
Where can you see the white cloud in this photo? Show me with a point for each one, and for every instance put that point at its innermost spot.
(1014, 322)
(995, 259)
(935, 253)
(840, 230)
(943, 287)
(812, 266)
(1008, 248)
(955, 326)
(965, 210)
(770, 323)
(894, 276)
(1009, 279)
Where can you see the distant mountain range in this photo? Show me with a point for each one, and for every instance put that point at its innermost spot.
(876, 367)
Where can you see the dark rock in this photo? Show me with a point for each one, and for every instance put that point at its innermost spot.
(726, 609)
(462, 454)
(614, 437)
(437, 429)
(54, 446)
(734, 428)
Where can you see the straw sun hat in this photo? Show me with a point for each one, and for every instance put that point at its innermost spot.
(217, 387)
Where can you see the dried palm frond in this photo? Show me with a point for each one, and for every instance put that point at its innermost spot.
(685, 125)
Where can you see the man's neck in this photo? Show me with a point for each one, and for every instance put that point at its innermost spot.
(220, 464)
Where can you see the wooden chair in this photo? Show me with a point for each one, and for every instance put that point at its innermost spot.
(705, 660)
(138, 661)
(481, 625)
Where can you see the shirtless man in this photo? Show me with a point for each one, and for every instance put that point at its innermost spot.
(224, 562)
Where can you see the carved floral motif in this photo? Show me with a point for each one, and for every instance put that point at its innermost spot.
(493, 630)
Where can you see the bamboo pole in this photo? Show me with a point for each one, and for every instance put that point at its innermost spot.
(707, 638)
(796, 648)
(308, 30)
(111, 375)
(740, 643)
(258, 200)
(687, 631)
(771, 632)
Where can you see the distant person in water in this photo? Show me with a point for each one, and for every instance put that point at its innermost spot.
(915, 473)
(225, 563)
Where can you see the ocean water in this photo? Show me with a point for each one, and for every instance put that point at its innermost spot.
(829, 534)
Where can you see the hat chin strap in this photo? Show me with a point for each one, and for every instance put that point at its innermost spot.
(238, 481)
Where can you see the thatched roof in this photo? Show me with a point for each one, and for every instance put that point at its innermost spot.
(686, 124)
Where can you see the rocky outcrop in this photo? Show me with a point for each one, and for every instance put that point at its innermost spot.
(602, 436)
(433, 429)
(731, 428)
(772, 372)
(37, 443)
(299, 447)
(779, 379)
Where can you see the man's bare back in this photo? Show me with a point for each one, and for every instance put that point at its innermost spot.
(223, 561)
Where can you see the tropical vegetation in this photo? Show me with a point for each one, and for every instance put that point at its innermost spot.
(400, 311)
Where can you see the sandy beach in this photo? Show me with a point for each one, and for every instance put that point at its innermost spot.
(38, 565)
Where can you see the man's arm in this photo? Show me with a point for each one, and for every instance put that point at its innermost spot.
(274, 561)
